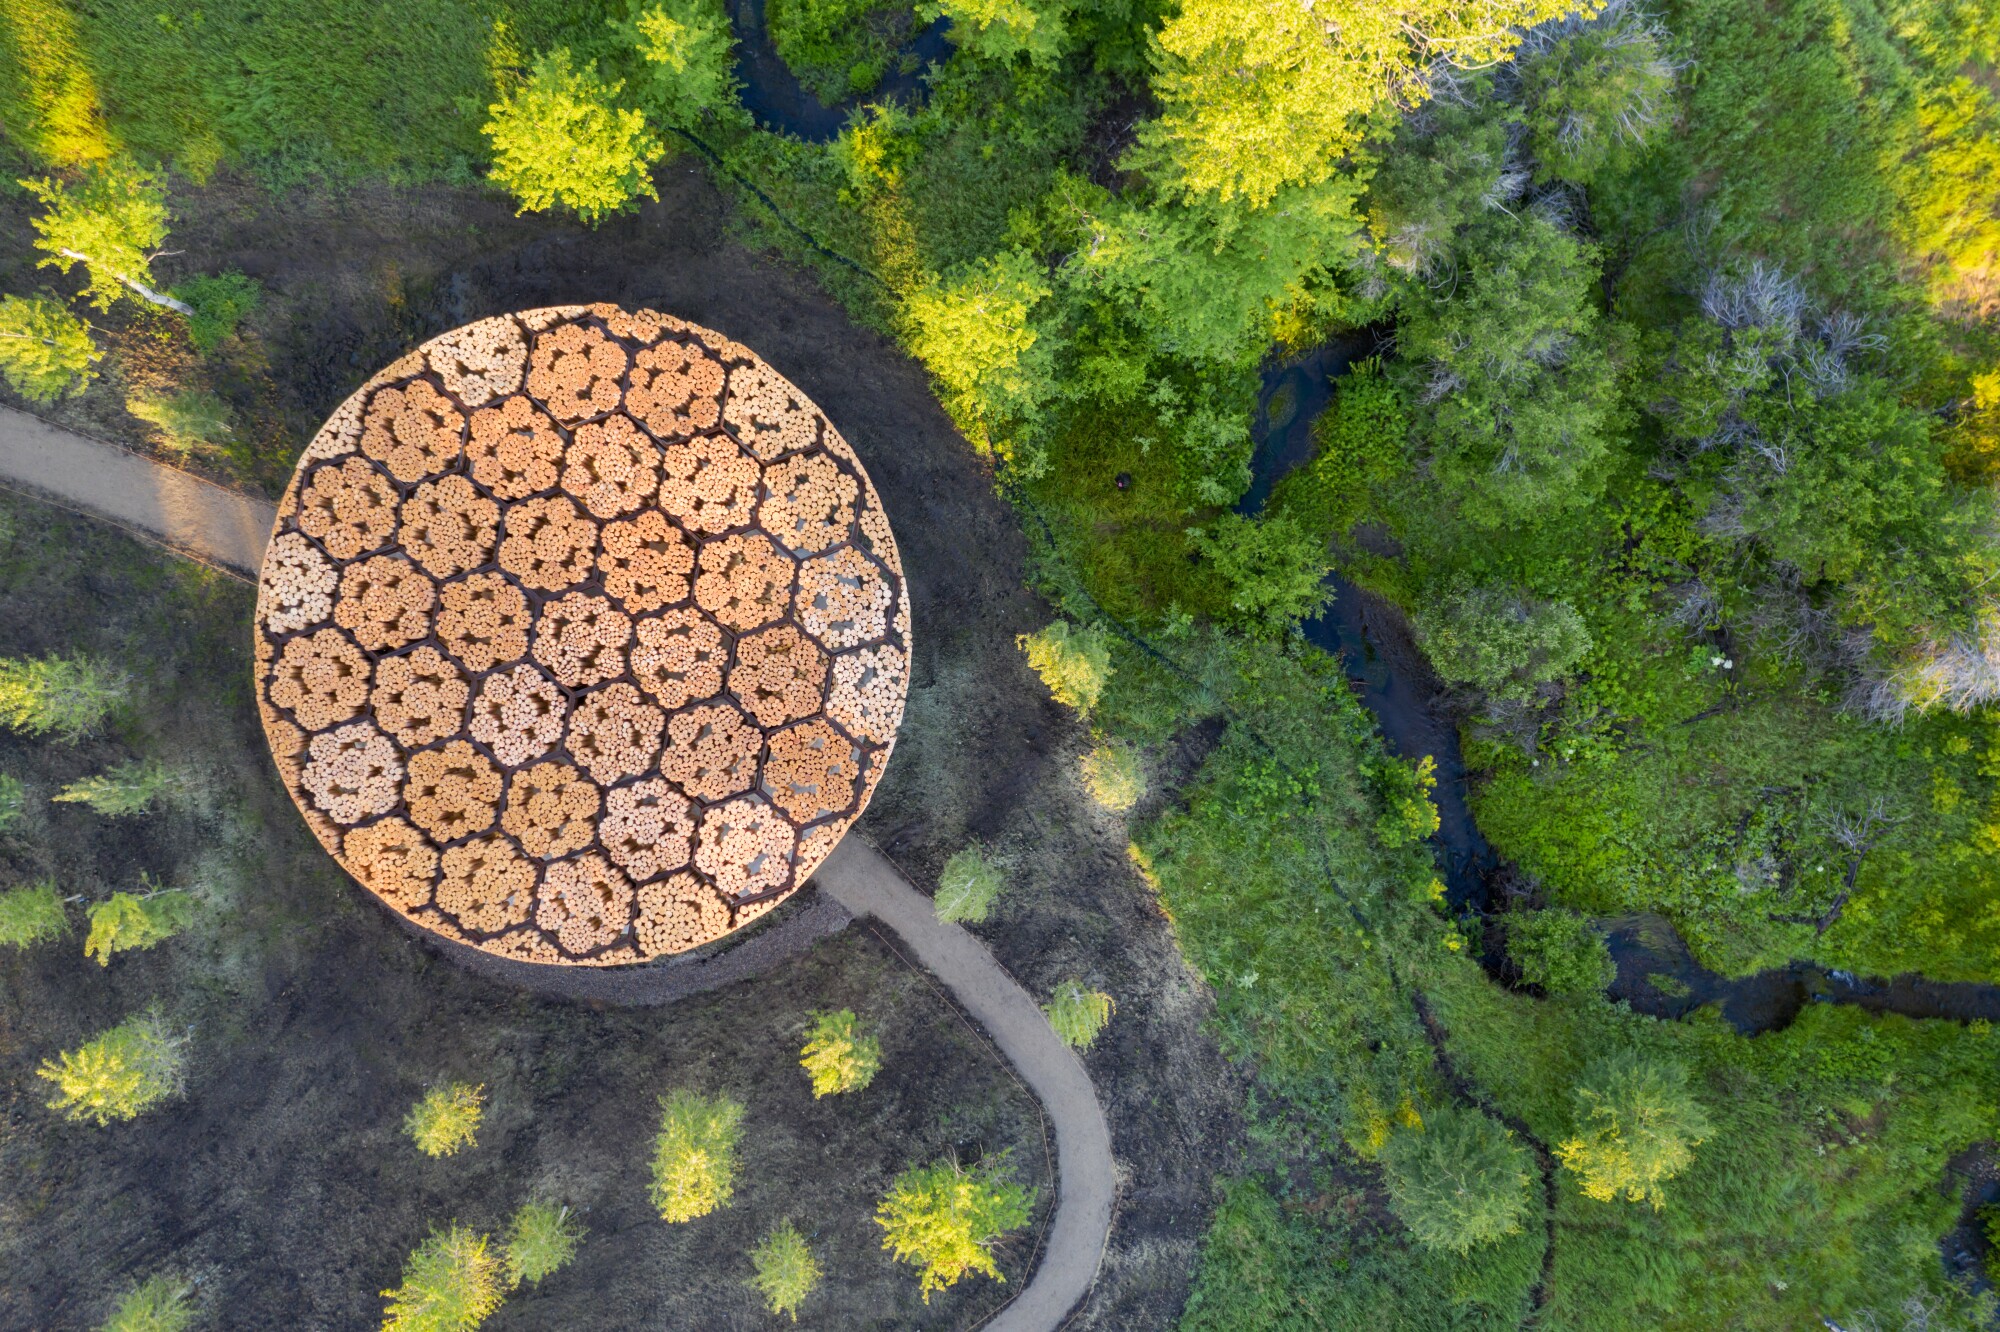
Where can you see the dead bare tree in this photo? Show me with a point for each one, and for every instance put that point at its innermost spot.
(1857, 834)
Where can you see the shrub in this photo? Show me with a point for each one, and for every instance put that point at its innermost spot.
(1275, 569)
(45, 351)
(129, 788)
(31, 914)
(13, 800)
(158, 1304)
(945, 1220)
(68, 697)
(694, 1158)
(1074, 663)
(1078, 1014)
(122, 1074)
(1991, 1216)
(452, 1283)
(188, 421)
(1458, 1180)
(541, 1239)
(446, 1119)
(1003, 29)
(1561, 952)
(787, 1272)
(218, 304)
(131, 922)
(967, 887)
(840, 1058)
(1500, 642)
(1115, 776)
(560, 142)
(1637, 1126)
(838, 47)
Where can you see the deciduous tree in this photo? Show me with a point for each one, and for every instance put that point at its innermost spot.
(560, 141)
(945, 1220)
(1636, 1127)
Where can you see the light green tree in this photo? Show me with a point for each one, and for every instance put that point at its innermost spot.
(694, 1156)
(130, 788)
(1260, 94)
(976, 332)
(1078, 1013)
(785, 1270)
(1559, 951)
(690, 71)
(945, 1221)
(1636, 1127)
(111, 218)
(1595, 90)
(452, 1283)
(160, 1303)
(1004, 29)
(967, 886)
(68, 697)
(1441, 170)
(1115, 776)
(1207, 281)
(1519, 384)
(46, 352)
(838, 1055)
(122, 1074)
(132, 922)
(540, 1241)
(1501, 641)
(1459, 1180)
(1274, 567)
(1074, 663)
(31, 914)
(446, 1118)
(559, 141)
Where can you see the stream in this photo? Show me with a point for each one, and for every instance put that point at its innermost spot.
(775, 97)
(1657, 974)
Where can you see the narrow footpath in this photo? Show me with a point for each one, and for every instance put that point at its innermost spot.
(219, 527)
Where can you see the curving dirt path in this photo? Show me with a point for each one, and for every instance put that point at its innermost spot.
(186, 514)
(222, 528)
(864, 881)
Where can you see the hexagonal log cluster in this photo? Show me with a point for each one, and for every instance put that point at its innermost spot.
(582, 636)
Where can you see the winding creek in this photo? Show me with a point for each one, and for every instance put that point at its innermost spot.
(773, 95)
(1391, 678)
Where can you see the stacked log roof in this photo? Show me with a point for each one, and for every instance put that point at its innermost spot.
(582, 636)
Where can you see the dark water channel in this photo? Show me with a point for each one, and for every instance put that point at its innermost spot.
(1656, 972)
(778, 101)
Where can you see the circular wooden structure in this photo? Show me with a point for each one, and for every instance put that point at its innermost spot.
(581, 637)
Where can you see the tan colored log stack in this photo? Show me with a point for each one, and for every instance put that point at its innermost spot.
(582, 636)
